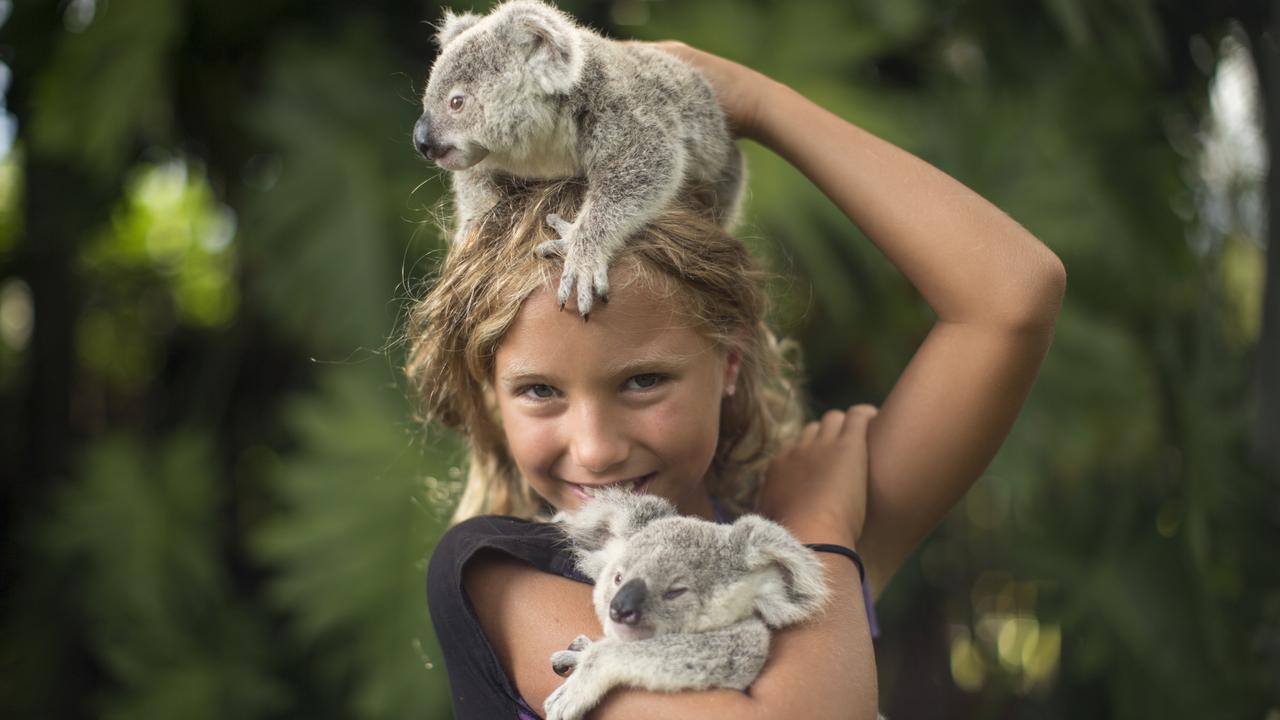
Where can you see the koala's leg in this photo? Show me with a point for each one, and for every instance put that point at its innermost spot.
(729, 658)
(474, 193)
(629, 186)
(729, 189)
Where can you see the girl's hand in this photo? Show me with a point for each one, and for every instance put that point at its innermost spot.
(817, 487)
(738, 87)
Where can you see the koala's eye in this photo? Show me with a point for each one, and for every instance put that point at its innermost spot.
(617, 579)
(674, 593)
(456, 102)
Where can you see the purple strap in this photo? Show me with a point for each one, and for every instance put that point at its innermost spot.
(524, 712)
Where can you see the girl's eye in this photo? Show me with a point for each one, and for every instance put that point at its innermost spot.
(455, 102)
(540, 391)
(674, 593)
(645, 381)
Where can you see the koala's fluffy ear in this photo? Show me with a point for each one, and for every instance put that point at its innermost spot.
(612, 515)
(452, 25)
(801, 588)
(552, 44)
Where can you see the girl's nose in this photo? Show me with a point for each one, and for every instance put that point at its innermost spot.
(597, 444)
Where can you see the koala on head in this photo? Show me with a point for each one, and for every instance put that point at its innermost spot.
(525, 92)
(686, 604)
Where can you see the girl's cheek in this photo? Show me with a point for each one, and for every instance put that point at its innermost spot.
(689, 428)
(532, 443)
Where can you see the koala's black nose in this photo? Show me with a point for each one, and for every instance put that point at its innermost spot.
(422, 136)
(625, 607)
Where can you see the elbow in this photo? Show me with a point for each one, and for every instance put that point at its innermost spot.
(1043, 288)
(1052, 285)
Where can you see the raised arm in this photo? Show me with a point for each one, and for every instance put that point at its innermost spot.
(995, 289)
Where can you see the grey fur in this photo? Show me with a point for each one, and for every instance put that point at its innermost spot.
(543, 97)
(740, 581)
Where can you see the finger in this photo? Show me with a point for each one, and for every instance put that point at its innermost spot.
(858, 418)
(832, 421)
(808, 434)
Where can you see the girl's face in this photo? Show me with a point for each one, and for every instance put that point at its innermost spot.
(631, 397)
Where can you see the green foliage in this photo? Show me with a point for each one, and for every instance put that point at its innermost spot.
(166, 258)
(170, 222)
(107, 86)
(138, 533)
(351, 544)
(10, 197)
(333, 216)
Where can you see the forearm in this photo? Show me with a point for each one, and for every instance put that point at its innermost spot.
(824, 668)
(970, 261)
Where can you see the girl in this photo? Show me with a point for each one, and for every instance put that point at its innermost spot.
(677, 387)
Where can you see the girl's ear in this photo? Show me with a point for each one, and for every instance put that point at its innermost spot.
(732, 367)
(613, 515)
(797, 587)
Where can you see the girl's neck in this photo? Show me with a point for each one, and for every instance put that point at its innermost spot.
(699, 504)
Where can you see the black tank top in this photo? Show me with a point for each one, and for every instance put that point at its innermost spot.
(480, 687)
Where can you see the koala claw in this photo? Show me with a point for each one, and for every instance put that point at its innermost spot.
(568, 702)
(562, 227)
(592, 278)
(588, 270)
(550, 249)
(563, 662)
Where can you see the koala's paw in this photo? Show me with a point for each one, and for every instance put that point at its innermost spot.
(564, 661)
(583, 265)
(571, 701)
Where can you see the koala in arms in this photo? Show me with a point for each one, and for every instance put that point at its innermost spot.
(685, 603)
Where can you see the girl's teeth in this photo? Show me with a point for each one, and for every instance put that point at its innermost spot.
(634, 485)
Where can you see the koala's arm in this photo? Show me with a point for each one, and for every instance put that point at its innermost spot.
(474, 193)
(824, 668)
(727, 658)
(633, 169)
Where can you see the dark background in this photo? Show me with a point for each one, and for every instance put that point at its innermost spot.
(216, 505)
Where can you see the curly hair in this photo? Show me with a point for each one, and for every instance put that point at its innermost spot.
(454, 330)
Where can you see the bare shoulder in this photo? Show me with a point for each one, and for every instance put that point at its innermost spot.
(528, 614)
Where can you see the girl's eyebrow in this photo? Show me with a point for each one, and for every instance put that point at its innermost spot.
(649, 363)
(518, 372)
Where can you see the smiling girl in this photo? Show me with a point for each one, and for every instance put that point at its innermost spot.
(677, 387)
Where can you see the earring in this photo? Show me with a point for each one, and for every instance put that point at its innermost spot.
(729, 391)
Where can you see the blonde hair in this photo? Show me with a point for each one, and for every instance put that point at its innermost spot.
(454, 331)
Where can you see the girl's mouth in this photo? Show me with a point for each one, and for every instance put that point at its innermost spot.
(587, 492)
